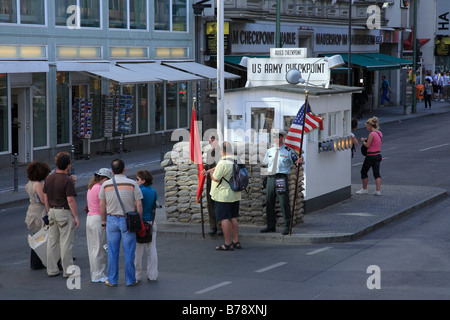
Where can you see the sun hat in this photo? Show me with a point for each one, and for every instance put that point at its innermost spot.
(105, 172)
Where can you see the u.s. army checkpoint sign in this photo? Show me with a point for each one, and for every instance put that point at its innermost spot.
(268, 71)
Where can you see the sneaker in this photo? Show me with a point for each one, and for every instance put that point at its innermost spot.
(377, 193)
(102, 279)
(362, 191)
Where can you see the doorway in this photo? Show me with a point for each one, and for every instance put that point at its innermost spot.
(21, 125)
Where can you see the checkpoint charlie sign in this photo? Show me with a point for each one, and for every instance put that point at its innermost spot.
(272, 71)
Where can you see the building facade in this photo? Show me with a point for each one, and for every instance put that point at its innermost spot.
(85, 73)
(378, 29)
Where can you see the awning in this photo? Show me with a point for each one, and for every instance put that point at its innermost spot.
(388, 58)
(23, 66)
(368, 62)
(126, 76)
(161, 72)
(236, 60)
(82, 66)
(199, 70)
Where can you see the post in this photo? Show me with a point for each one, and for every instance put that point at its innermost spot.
(120, 146)
(220, 66)
(162, 145)
(298, 166)
(72, 159)
(414, 55)
(16, 173)
(278, 28)
(349, 71)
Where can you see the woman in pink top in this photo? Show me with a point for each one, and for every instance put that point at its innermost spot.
(95, 233)
(373, 158)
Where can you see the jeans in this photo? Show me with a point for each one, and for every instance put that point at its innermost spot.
(116, 230)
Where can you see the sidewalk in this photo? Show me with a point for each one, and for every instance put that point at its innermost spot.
(344, 221)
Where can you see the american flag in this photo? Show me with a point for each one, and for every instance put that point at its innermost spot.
(294, 136)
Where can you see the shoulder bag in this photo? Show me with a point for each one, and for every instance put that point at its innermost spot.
(134, 221)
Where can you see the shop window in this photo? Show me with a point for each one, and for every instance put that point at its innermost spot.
(96, 98)
(183, 103)
(171, 15)
(39, 109)
(159, 107)
(130, 90)
(30, 11)
(62, 108)
(171, 106)
(142, 108)
(4, 123)
(89, 13)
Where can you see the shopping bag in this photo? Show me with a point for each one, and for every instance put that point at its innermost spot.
(38, 242)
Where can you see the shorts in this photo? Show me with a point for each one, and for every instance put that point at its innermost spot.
(226, 210)
(436, 88)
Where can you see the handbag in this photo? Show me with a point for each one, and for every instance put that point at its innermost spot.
(148, 228)
(364, 149)
(133, 219)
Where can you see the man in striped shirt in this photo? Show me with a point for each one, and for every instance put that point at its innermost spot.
(116, 227)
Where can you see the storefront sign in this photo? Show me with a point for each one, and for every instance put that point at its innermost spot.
(336, 40)
(443, 18)
(259, 38)
(262, 71)
(288, 53)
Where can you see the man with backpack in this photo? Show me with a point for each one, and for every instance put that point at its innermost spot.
(279, 159)
(226, 200)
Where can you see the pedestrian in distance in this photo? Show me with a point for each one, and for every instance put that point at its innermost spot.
(59, 197)
(373, 157)
(354, 140)
(212, 158)
(428, 92)
(226, 201)
(385, 89)
(37, 172)
(115, 222)
(145, 180)
(95, 233)
(279, 159)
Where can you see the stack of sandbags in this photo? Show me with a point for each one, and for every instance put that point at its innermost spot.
(181, 183)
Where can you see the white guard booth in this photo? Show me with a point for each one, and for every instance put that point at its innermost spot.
(269, 102)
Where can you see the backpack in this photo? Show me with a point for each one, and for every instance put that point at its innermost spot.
(239, 178)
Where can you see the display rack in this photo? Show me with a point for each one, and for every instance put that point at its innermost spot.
(82, 127)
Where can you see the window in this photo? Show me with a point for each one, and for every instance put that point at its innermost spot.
(159, 107)
(40, 109)
(171, 15)
(4, 121)
(142, 108)
(332, 124)
(66, 14)
(62, 108)
(29, 12)
(128, 14)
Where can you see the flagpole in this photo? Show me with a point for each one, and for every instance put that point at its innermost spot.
(201, 197)
(298, 165)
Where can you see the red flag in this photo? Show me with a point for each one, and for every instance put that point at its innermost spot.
(195, 151)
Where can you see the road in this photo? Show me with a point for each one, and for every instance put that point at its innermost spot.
(408, 259)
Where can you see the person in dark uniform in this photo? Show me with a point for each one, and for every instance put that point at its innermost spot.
(279, 159)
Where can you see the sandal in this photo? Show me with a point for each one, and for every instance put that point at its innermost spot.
(225, 247)
(236, 245)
